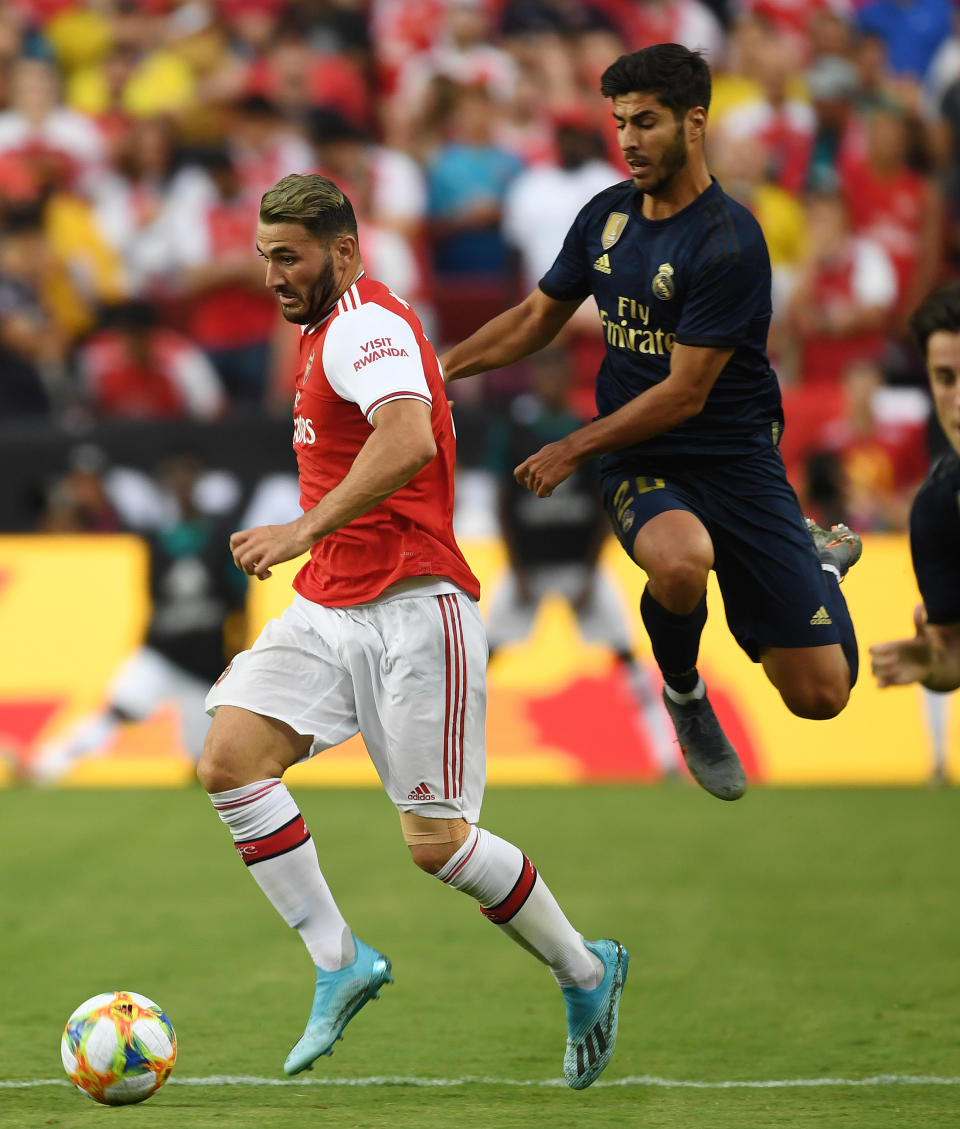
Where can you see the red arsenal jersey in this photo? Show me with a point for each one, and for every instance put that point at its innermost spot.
(368, 350)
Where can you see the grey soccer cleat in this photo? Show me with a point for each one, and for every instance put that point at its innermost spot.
(712, 760)
(837, 546)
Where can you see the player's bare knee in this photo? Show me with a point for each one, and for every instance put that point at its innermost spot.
(679, 585)
(817, 701)
(432, 842)
(219, 768)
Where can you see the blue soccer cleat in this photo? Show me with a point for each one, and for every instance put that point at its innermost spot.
(338, 997)
(592, 1015)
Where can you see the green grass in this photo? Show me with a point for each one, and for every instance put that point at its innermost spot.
(796, 934)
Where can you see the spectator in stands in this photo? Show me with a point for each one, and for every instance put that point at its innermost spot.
(912, 29)
(135, 369)
(838, 133)
(262, 145)
(35, 120)
(467, 180)
(134, 197)
(897, 207)
(297, 78)
(397, 193)
(844, 296)
(139, 76)
(540, 205)
(781, 120)
(879, 442)
(462, 53)
(230, 313)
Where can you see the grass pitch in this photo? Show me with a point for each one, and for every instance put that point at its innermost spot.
(795, 935)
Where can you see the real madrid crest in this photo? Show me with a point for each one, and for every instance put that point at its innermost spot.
(613, 229)
(306, 371)
(663, 285)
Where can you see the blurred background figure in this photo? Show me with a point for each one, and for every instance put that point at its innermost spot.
(197, 623)
(133, 368)
(553, 547)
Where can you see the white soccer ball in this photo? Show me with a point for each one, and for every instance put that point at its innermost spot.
(118, 1048)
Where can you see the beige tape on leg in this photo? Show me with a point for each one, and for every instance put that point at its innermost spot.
(419, 829)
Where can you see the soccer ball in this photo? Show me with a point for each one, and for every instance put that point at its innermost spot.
(118, 1048)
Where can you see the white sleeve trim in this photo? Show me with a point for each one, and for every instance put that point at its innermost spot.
(371, 355)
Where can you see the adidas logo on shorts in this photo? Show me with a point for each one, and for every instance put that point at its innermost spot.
(421, 792)
(820, 617)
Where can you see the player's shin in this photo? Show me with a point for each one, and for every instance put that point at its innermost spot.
(514, 897)
(675, 640)
(275, 844)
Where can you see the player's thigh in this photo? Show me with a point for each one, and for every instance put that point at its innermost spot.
(293, 674)
(659, 523)
(422, 706)
(814, 682)
(242, 746)
(773, 587)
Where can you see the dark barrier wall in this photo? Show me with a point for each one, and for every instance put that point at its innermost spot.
(33, 455)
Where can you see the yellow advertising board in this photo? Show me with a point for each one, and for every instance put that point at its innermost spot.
(560, 710)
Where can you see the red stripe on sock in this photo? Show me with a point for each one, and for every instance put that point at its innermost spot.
(463, 862)
(286, 838)
(513, 902)
(239, 803)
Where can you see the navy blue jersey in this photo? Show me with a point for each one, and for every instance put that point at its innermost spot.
(699, 277)
(935, 541)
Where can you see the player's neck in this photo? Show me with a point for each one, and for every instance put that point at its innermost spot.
(689, 183)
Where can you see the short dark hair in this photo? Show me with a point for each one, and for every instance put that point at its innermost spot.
(679, 78)
(939, 310)
(313, 201)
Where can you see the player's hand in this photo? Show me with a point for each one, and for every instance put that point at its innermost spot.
(903, 661)
(255, 550)
(543, 472)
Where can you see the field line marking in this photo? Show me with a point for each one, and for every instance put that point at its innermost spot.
(543, 1083)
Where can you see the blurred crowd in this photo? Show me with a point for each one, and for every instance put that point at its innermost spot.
(137, 136)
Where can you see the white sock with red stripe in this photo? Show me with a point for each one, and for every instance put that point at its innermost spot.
(512, 895)
(273, 840)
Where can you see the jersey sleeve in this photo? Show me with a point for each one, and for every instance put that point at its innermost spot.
(566, 280)
(935, 548)
(371, 356)
(728, 289)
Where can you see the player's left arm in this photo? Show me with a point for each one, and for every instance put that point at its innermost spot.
(693, 372)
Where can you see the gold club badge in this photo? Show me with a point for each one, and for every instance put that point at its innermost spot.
(663, 285)
(613, 229)
(306, 371)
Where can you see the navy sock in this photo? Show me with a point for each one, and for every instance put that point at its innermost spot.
(675, 640)
(839, 613)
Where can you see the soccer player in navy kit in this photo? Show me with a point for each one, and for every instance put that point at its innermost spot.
(689, 414)
(932, 656)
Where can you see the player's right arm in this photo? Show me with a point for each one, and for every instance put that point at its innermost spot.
(931, 657)
(510, 336)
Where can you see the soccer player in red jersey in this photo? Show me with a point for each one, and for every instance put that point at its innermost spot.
(383, 637)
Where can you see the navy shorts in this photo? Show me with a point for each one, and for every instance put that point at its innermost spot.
(774, 590)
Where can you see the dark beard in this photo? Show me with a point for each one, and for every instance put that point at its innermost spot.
(673, 160)
(317, 299)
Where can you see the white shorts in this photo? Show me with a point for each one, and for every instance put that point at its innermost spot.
(147, 679)
(602, 619)
(408, 674)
